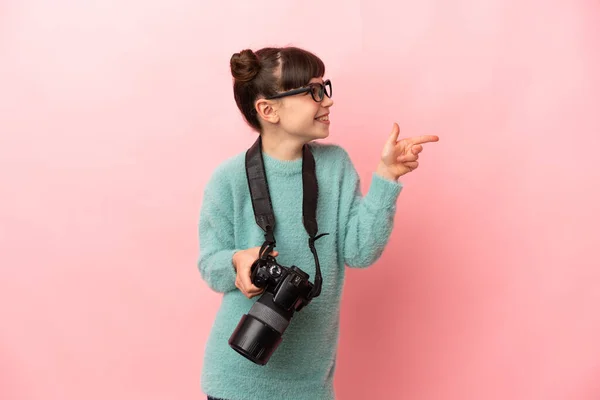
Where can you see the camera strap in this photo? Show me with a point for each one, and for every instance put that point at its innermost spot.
(263, 209)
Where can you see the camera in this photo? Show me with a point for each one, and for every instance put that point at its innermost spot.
(287, 290)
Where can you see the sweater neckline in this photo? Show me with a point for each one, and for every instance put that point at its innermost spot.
(282, 167)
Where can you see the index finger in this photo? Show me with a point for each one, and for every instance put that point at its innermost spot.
(423, 139)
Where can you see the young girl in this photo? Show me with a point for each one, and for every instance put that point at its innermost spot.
(266, 90)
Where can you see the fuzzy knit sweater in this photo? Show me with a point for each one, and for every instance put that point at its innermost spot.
(359, 227)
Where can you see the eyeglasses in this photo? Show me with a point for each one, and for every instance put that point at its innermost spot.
(318, 91)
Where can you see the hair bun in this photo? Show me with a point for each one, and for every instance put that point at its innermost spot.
(244, 65)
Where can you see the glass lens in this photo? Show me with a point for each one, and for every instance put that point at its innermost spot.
(317, 92)
(328, 90)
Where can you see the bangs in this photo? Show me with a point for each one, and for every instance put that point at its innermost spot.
(298, 67)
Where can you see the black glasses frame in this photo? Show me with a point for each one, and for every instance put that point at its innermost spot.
(308, 88)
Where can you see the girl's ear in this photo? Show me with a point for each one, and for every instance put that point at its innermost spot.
(267, 110)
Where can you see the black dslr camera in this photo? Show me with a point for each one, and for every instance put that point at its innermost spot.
(287, 290)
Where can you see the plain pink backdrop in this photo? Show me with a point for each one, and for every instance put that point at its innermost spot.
(114, 114)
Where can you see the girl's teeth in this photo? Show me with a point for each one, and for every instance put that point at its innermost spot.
(326, 118)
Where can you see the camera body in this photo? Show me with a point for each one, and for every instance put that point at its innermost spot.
(287, 290)
(289, 286)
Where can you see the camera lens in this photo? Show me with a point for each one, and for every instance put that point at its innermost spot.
(259, 333)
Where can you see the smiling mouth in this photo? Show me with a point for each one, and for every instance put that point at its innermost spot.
(323, 118)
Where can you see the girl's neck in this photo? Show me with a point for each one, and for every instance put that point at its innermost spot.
(282, 148)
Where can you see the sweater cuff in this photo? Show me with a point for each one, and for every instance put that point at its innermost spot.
(228, 261)
(383, 192)
(220, 274)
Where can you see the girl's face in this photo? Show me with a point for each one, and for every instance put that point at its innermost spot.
(303, 118)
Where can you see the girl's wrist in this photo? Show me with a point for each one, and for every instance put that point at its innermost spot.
(383, 171)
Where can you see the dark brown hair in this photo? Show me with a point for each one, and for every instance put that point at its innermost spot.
(268, 71)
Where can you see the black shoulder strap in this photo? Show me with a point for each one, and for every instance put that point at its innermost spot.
(310, 190)
(263, 209)
(259, 191)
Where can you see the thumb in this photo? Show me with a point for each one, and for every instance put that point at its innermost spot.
(394, 135)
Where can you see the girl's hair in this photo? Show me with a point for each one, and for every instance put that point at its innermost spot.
(267, 71)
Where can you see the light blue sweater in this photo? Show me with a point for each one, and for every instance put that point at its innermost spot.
(302, 367)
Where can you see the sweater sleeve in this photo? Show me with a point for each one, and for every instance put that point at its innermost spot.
(369, 220)
(217, 245)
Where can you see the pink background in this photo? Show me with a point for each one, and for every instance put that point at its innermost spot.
(114, 114)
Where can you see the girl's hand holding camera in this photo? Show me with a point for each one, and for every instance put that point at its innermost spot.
(242, 262)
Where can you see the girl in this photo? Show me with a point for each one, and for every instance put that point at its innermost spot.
(283, 95)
